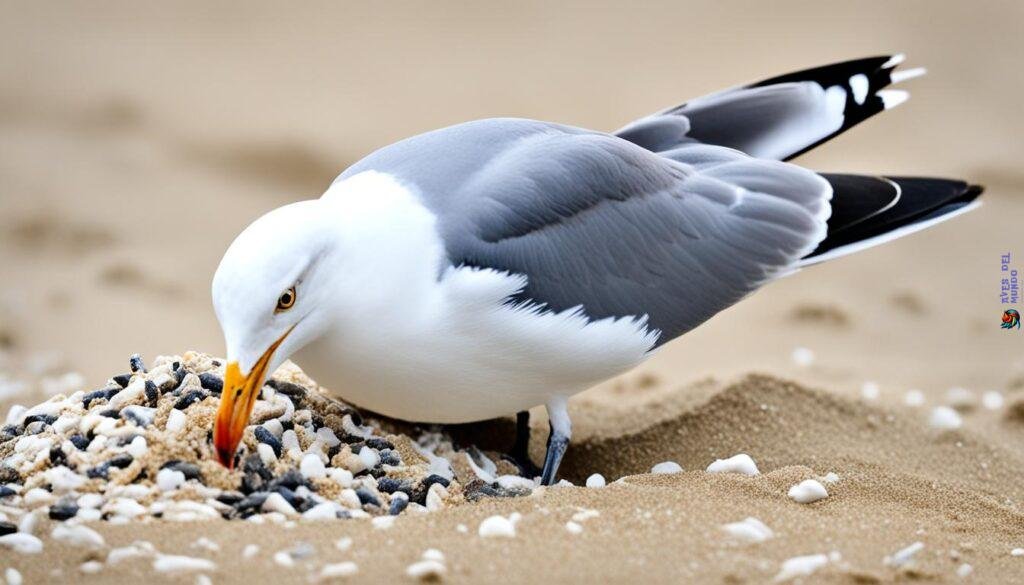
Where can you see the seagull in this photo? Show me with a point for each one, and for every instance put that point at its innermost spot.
(486, 268)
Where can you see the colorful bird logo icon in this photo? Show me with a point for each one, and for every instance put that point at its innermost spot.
(1011, 319)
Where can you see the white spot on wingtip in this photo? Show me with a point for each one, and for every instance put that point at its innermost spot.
(859, 86)
(894, 60)
(903, 75)
(892, 97)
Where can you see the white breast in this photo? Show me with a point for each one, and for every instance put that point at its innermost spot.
(419, 342)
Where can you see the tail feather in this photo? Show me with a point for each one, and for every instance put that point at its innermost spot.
(867, 211)
(781, 117)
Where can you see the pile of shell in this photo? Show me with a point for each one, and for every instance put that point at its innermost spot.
(140, 447)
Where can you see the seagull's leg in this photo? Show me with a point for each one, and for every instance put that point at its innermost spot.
(558, 440)
(520, 453)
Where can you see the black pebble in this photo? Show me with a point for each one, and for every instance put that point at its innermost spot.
(152, 393)
(11, 431)
(397, 505)
(289, 496)
(79, 441)
(378, 443)
(63, 511)
(136, 364)
(190, 470)
(137, 418)
(179, 377)
(291, 479)
(389, 457)
(434, 478)
(293, 391)
(211, 382)
(7, 528)
(367, 497)
(251, 503)
(388, 485)
(357, 419)
(122, 380)
(6, 491)
(104, 394)
(112, 413)
(189, 399)
(419, 495)
(230, 498)
(46, 419)
(102, 471)
(333, 451)
(120, 461)
(265, 436)
(57, 456)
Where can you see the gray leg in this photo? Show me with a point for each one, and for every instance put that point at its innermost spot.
(558, 440)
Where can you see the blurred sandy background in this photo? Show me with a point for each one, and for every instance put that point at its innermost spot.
(139, 138)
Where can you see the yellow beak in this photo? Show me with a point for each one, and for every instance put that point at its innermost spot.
(236, 402)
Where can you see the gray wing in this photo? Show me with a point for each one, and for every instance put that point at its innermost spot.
(594, 221)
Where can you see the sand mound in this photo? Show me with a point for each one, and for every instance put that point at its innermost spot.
(140, 448)
(847, 492)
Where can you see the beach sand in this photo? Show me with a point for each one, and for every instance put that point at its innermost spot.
(137, 141)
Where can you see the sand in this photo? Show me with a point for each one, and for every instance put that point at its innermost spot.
(138, 141)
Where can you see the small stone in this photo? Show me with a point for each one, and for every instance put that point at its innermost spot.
(7, 528)
(189, 399)
(175, 421)
(190, 470)
(79, 441)
(138, 447)
(22, 543)
(388, 485)
(266, 454)
(497, 526)
(741, 463)
(152, 393)
(367, 497)
(595, 481)
(77, 535)
(266, 436)
(180, 564)
(426, 570)
(666, 467)
(139, 415)
(945, 418)
(399, 502)
(808, 491)
(168, 480)
(63, 511)
(211, 382)
(312, 467)
(275, 502)
(122, 380)
(12, 576)
(339, 570)
(91, 567)
(136, 364)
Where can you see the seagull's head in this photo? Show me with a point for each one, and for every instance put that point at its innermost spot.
(271, 296)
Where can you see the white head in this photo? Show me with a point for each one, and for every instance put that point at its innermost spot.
(271, 294)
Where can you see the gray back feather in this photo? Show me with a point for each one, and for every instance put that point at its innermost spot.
(598, 222)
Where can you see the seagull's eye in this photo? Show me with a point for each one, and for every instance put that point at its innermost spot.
(286, 300)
